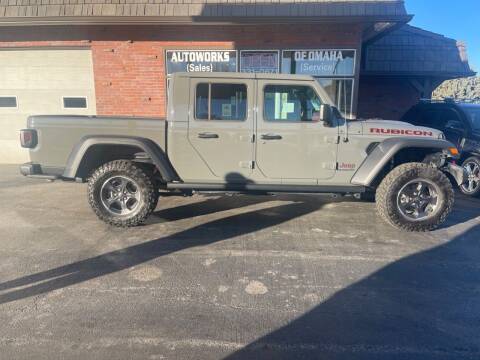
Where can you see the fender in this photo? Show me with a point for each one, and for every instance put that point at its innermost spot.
(382, 154)
(148, 146)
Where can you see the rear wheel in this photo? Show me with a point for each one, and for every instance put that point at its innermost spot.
(472, 185)
(122, 193)
(415, 197)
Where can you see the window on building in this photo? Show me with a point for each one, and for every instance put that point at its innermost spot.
(8, 102)
(291, 103)
(75, 102)
(221, 101)
(259, 61)
(334, 69)
(341, 93)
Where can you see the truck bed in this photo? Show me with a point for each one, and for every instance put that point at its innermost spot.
(57, 134)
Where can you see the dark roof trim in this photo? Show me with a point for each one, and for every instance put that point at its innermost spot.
(433, 74)
(193, 20)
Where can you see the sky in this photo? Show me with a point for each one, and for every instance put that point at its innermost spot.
(458, 19)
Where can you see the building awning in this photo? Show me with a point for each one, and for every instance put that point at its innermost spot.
(414, 52)
(81, 12)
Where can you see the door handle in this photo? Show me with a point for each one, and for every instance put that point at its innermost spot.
(271, 137)
(208, 136)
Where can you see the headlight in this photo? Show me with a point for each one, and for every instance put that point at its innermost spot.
(441, 136)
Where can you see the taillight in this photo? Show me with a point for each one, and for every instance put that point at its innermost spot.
(28, 138)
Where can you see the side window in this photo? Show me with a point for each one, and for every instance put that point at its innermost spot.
(452, 121)
(221, 102)
(413, 116)
(291, 103)
(433, 119)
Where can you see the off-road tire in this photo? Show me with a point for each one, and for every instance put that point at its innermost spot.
(387, 192)
(134, 171)
(476, 192)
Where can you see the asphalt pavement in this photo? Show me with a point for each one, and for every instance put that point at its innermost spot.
(232, 277)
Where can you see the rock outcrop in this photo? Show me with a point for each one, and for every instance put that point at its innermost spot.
(459, 89)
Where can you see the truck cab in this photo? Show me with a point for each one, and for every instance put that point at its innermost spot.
(252, 128)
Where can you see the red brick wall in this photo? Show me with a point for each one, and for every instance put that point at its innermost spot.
(386, 98)
(129, 64)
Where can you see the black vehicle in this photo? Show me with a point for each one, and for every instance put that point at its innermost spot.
(460, 122)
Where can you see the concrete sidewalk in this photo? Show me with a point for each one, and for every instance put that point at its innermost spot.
(237, 277)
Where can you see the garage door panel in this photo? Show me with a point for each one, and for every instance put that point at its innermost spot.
(39, 79)
(45, 58)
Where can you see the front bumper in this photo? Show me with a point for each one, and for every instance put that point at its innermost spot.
(458, 173)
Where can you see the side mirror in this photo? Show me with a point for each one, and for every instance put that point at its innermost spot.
(326, 114)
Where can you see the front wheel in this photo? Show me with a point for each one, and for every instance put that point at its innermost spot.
(472, 185)
(415, 197)
(122, 193)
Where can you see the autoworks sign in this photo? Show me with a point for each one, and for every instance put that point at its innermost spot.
(201, 61)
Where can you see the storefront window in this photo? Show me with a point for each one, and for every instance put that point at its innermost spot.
(334, 69)
(341, 93)
(259, 61)
(328, 62)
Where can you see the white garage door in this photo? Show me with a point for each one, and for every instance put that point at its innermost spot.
(41, 81)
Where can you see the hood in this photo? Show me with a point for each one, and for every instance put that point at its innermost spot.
(388, 128)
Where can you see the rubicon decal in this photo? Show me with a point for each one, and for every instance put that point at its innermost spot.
(409, 132)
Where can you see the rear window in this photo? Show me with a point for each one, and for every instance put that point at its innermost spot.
(221, 102)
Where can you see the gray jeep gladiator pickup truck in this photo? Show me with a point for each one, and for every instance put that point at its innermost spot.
(255, 133)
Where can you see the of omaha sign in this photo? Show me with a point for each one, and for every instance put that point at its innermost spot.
(322, 62)
(201, 61)
(319, 55)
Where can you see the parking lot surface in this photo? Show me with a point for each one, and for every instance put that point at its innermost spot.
(232, 277)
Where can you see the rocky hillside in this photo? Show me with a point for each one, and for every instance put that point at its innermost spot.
(459, 89)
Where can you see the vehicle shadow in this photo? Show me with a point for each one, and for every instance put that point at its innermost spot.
(424, 306)
(202, 235)
(208, 205)
(465, 208)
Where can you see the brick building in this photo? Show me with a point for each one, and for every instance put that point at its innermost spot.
(114, 57)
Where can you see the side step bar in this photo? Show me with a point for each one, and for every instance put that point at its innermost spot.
(268, 188)
(44, 177)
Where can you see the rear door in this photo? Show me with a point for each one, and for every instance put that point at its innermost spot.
(221, 127)
(293, 145)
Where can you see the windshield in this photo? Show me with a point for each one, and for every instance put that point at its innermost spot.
(474, 114)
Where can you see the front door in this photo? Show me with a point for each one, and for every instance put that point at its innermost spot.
(293, 144)
(221, 127)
